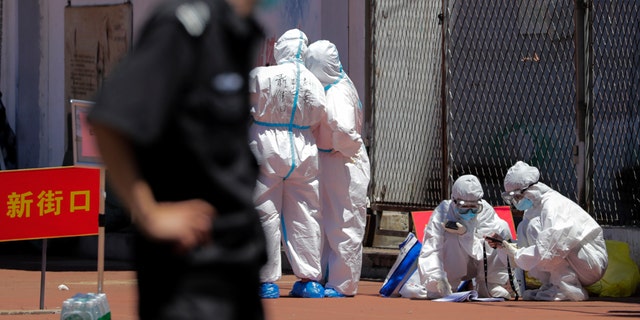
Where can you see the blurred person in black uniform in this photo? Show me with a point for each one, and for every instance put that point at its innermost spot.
(172, 127)
(7, 141)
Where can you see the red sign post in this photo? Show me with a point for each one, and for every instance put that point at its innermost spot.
(50, 202)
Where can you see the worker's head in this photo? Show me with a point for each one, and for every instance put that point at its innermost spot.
(519, 178)
(466, 195)
(323, 61)
(292, 45)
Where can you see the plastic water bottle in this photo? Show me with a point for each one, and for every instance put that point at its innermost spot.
(66, 307)
(106, 310)
(77, 312)
(89, 306)
(92, 308)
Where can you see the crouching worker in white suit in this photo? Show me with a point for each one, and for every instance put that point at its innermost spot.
(344, 173)
(289, 103)
(558, 242)
(454, 249)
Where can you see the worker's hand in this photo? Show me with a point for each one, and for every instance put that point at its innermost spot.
(454, 227)
(494, 240)
(186, 223)
(510, 248)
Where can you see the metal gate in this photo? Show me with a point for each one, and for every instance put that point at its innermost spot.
(554, 83)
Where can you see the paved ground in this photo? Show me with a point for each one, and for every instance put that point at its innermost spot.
(20, 287)
(20, 300)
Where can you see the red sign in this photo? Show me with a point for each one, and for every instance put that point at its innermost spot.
(50, 202)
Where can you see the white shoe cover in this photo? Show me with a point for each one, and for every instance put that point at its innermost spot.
(413, 291)
(499, 292)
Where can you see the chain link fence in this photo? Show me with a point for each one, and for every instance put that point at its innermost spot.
(408, 162)
(616, 111)
(496, 81)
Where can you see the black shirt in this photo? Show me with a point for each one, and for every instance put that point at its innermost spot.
(181, 97)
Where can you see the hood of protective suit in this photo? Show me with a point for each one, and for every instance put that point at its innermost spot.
(323, 61)
(520, 175)
(292, 45)
(467, 188)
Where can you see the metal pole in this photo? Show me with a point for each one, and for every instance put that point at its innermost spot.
(43, 272)
(583, 151)
(101, 231)
(443, 103)
(100, 258)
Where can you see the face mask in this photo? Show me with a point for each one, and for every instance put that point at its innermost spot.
(466, 214)
(524, 204)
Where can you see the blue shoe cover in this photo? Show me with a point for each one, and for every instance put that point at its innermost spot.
(297, 289)
(332, 293)
(310, 289)
(313, 290)
(269, 290)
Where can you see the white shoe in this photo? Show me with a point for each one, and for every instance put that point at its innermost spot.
(413, 291)
(500, 292)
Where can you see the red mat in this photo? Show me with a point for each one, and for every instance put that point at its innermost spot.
(421, 218)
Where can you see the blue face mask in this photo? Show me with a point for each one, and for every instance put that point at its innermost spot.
(467, 214)
(524, 204)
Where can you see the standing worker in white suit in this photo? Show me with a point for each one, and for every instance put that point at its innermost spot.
(344, 173)
(288, 104)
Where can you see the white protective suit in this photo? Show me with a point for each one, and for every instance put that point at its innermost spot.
(446, 259)
(344, 171)
(558, 242)
(288, 103)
